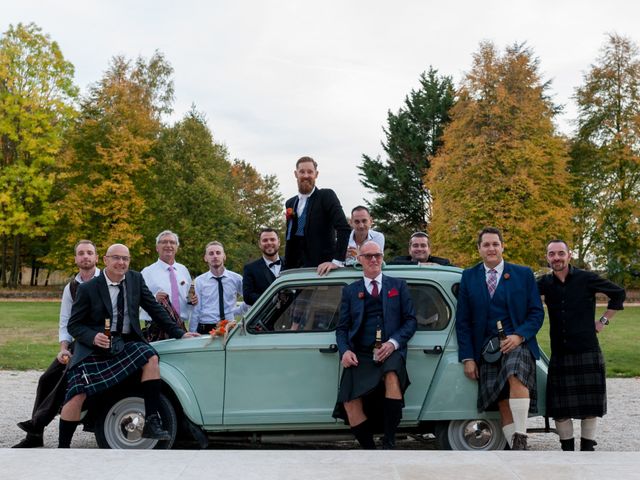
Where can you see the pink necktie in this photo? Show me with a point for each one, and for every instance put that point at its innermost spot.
(175, 292)
(492, 282)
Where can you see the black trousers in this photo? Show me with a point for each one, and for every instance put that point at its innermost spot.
(49, 395)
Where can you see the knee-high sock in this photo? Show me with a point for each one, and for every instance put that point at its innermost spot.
(564, 428)
(151, 395)
(67, 429)
(588, 428)
(520, 411)
(392, 417)
(364, 435)
(508, 431)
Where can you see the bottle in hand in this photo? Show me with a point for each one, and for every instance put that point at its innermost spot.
(501, 334)
(107, 329)
(378, 345)
(192, 293)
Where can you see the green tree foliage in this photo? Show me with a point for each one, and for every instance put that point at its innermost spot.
(108, 158)
(606, 160)
(413, 136)
(36, 105)
(502, 163)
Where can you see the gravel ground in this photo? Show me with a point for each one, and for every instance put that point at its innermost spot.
(618, 431)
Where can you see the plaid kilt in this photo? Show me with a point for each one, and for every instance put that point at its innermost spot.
(366, 381)
(576, 385)
(100, 372)
(493, 384)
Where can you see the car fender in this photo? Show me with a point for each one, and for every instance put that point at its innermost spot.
(179, 385)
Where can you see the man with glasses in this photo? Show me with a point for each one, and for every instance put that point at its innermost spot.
(419, 252)
(377, 319)
(99, 361)
(168, 280)
(52, 383)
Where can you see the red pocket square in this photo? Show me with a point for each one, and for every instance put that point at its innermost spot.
(393, 293)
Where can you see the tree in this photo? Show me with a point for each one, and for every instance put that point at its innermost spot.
(502, 164)
(36, 106)
(108, 159)
(413, 136)
(606, 160)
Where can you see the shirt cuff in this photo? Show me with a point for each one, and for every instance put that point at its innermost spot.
(465, 360)
(337, 262)
(395, 343)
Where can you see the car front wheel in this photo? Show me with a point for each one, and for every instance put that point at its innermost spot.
(120, 425)
(477, 434)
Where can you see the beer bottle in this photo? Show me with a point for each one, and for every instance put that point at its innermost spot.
(501, 334)
(192, 292)
(107, 329)
(378, 345)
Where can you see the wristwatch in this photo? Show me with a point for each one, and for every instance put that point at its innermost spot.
(604, 320)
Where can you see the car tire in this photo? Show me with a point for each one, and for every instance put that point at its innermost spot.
(120, 424)
(475, 435)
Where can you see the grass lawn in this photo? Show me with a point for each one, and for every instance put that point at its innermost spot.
(29, 338)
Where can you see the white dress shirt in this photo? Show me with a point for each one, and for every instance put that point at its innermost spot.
(65, 309)
(274, 269)
(114, 290)
(208, 309)
(498, 268)
(157, 278)
(372, 235)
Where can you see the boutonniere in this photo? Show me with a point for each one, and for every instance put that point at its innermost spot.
(289, 214)
(182, 282)
(360, 295)
(393, 293)
(506, 276)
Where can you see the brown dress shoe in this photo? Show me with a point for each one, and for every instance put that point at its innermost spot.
(519, 442)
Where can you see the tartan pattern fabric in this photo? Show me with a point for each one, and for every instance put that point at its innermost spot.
(576, 385)
(493, 384)
(492, 281)
(97, 373)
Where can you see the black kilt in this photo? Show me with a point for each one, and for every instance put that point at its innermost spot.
(100, 372)
(493, 384)
(576, 385)
(366, 381)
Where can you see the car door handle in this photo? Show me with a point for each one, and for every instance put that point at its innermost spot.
(437, 350)
(333, 348)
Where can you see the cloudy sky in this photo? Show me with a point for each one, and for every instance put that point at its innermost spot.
(281, 79)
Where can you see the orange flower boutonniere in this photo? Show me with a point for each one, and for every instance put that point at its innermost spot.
(289, 214)
(222, 328)
(360, 295)
(506, 276)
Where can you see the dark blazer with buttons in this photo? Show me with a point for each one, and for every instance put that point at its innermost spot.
(256, 278)
(398, 314)
(472, 312)
(93, 304)
(326, 231)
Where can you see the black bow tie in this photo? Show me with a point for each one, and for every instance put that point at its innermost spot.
(277, 262)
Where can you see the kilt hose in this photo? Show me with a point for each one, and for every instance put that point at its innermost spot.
(99, 372)
(576, 385)
(493, 384)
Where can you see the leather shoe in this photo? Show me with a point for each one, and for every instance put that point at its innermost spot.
(568, 445)
(586, 445)
(28, 427)
(519, 442)
(30, 441)
(153, 428)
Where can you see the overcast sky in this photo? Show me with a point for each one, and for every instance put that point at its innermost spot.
(281, 79)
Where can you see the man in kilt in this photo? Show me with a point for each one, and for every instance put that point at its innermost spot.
(492, 291)
(117, 294)
(52, 384)
(576, 382)
(376, 306)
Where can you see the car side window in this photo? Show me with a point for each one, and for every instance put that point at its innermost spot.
(432, 311)
(299, 309)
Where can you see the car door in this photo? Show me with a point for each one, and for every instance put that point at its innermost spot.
(285, 369)
(433, 314)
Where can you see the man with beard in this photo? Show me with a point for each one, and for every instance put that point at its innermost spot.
(258, 275)
(317, 229)
(52, 383)
(576, 382)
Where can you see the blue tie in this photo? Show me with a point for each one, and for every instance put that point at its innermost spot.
(301, 220)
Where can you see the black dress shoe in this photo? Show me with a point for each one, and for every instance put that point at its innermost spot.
(28, 427)
(30, 441)
(568, 445)
(587, 445)
(519, 442)
(153, 428)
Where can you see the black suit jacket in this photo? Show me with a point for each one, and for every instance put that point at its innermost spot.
(256, 278)
(406, 260)
(93, 305)
(326, 231)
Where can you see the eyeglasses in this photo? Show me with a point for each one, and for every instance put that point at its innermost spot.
(371, 256)
(119, 258)
(167, 242)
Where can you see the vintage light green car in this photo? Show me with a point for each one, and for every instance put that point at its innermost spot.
(276, 374)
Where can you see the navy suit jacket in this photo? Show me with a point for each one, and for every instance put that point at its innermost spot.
(472, 313)
(397, 309)
(326, 231)
(93, 305)
(256, 278)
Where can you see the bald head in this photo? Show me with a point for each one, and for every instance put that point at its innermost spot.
(116, 262)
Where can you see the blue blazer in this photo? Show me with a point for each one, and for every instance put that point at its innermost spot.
(397, 310)
(472, 314)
